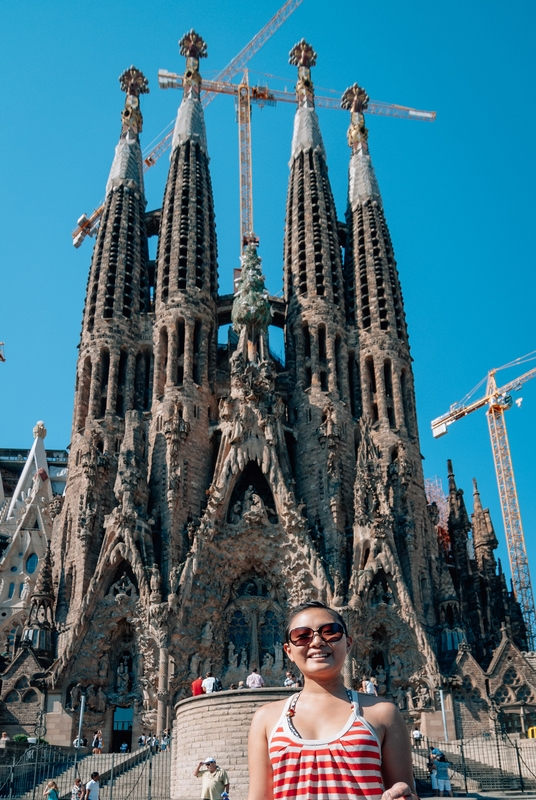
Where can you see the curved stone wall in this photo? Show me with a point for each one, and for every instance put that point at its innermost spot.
(216, 725)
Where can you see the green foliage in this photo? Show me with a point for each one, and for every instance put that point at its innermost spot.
(20, 737)
(251, 306)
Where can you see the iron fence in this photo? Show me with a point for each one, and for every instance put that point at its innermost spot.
(141, 775)
(488, 762)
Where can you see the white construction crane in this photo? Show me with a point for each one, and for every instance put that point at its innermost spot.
(498, 400)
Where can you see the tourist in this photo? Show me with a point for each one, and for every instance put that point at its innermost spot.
(123, 748)
(432, 769)
(77, 790)
(416, 735)
(214, 779)
(443, 782)
(254, 681)
(92, 787)
(208, 683)
(242, 685)
(197, 687)
(142, 740)
(52, 791)
(289, 680)
(368, 686)
(233, 686)
(97, 743)
(365, 737)
(4, 739)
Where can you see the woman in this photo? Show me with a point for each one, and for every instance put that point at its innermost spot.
(51, 791)
(325, 742)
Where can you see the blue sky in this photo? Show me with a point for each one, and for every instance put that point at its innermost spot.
(458, 193)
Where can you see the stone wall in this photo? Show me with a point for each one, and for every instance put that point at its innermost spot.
(216, 725)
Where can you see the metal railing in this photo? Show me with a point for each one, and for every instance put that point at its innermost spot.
(143, 774)
(483, 763)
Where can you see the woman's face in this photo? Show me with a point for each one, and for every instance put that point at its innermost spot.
(318, 657)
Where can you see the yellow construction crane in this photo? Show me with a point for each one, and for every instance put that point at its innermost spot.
(88, 226)
(262, 95)
(2, 356)
(498, 400)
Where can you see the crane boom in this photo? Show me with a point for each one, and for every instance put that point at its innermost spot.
(88, 226)
(498, 401)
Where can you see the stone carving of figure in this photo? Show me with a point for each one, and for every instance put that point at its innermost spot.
(410, 699)
(267, 662)
(248, 497)
(396, 665)
(400, 698)
(155, 579)
(148, 694)
(102, 670)
(122, 678)
(91, 698)
(423, 696)
(235, 515)
(207, 634)
(76, 694)
(278, 649)
(381, 675)
(232, 656)
(101, 701)
(243, 659)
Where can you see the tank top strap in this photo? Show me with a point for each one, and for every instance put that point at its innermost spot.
(358, 711)
(354, 699)
(282, 722)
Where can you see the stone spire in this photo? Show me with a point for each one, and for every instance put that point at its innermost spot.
(363, 185)
(38, 631)
(185, 330)
(484, 538)
(190, 122)
(127, 167)
(316, 334)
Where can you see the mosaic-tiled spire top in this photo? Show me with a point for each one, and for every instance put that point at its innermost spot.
(307, 134)
(190, 123)
(127, 167)
(363, 185)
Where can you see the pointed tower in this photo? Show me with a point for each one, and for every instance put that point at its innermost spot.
(375, 313)
(484, 538)
(317, 354)
(40, 626)
(114, 364)
(185, 333)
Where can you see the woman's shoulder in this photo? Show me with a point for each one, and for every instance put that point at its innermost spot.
(378, 710)
(268, 715)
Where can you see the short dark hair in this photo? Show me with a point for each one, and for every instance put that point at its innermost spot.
(95, 775)
(313, 604)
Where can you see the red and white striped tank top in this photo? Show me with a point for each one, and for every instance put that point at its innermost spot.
(347, 766)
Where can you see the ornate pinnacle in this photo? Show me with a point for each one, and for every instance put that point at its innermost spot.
(303, 56)
(192, 45)
(355, 99)
(134, 82)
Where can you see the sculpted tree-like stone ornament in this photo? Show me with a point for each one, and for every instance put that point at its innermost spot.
(355, 99)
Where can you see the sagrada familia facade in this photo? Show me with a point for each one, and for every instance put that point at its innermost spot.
(211, 486)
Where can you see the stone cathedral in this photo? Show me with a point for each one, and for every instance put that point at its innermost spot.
(210, 487)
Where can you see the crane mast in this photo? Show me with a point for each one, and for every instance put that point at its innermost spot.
(498, 401)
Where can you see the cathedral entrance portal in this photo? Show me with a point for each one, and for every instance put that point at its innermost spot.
(122, 729)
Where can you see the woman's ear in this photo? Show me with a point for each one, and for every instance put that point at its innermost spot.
(286, 648)
(349, 642)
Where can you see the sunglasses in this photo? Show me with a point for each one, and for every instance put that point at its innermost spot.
(330, 632)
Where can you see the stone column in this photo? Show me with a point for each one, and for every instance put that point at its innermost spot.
(313, 338)
(163, 694)
(113, 376)
(173, 350)
(397, 399)
(130, 380)
(332, 364)
(380, 394)
(188, 352)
